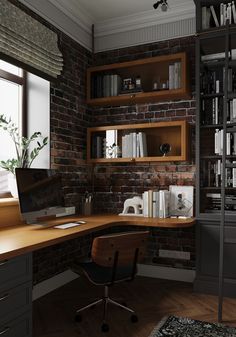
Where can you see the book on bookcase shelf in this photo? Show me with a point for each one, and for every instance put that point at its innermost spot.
(217, 15)
(214, 202)
(213, 81)
(211, 173)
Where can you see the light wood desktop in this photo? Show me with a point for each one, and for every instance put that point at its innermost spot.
(20, 239)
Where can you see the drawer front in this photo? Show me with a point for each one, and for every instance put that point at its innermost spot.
(15, 301)
(19, 327)
(15, 271)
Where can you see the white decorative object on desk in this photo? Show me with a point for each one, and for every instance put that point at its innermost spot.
(136, 203)
(181, 201)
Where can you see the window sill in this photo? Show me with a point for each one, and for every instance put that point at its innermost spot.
(4, 202)
(9, 212)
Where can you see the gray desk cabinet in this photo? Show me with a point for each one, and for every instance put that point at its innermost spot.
(16, 297)
(207, 242)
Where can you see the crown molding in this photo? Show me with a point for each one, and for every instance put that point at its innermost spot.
(144, 35)
(82, 17)
(145, 19)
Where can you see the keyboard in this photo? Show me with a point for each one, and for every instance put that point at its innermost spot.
(70, 224)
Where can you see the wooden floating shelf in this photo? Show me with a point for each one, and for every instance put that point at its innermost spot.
(149, 70)
(174, 133)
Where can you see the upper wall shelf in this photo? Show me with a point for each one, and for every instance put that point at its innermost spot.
(154, 79)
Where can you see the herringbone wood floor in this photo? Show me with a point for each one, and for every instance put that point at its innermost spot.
(153, 299)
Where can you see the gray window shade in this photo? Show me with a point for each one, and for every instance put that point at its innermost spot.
(28, 41)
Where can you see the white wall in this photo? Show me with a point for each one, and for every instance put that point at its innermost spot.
(39, 115)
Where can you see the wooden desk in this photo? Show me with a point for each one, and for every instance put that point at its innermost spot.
(18, 241)
(21, 239)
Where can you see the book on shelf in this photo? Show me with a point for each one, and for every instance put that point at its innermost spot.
(164, 203)
(212, 111)
(218, 56)
(134, 145)
(214, 202)
(97, 147)
(219, 134)
(213, 12)
(156, 203)
(217, 15)
(174, 75)
(106, 85)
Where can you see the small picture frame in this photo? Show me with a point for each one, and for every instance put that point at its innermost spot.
(181, 201)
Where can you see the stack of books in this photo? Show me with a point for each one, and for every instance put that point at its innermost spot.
(156, 204)
(106, 85)
(134, 145)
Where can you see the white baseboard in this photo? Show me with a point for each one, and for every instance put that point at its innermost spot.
(53, 283)
(166, 273)
(67, 276)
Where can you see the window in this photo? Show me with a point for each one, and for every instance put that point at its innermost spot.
(12, 104)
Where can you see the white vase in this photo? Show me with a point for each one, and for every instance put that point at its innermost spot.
(12, 185)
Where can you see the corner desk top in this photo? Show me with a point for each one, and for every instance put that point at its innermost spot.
(20, 239)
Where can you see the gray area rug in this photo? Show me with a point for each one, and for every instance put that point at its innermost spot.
(186, 327)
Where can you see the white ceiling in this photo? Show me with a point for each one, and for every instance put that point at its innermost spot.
(109, 9)
(111, 17)
(98, 11)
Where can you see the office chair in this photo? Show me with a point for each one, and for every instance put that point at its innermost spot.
(114, 259)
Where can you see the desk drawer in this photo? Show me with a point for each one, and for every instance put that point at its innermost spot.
(15, 301)
(15, 271)
(21, 326)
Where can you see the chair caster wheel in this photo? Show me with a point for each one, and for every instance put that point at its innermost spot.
(78, 318)
(134, 318)
(105, 327)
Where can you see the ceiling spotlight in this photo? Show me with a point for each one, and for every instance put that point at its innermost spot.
(162, 3)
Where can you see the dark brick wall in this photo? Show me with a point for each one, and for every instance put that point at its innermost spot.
(70, 117)
(113, 183)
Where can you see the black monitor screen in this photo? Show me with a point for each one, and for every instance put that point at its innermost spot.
(39, 189)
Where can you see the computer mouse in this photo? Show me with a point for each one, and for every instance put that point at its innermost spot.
(81, 222)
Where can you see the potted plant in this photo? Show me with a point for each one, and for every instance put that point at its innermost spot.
(24, 155)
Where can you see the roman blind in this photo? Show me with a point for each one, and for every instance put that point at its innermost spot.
(28, 41)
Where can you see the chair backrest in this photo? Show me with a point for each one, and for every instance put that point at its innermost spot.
(127, 248)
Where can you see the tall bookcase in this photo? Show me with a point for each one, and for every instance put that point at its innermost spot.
(216, 148)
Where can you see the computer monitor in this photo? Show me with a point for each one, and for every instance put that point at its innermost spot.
(40, 194)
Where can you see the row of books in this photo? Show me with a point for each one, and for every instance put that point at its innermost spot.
(212, 174)
(214, 202)
(217, 15)
(156, 204)
(212, 111)
(230, 143)
(213, 82)
(106, 85)
(175, 75)
(134, 145)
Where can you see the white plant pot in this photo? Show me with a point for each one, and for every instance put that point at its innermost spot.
(12, 185)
